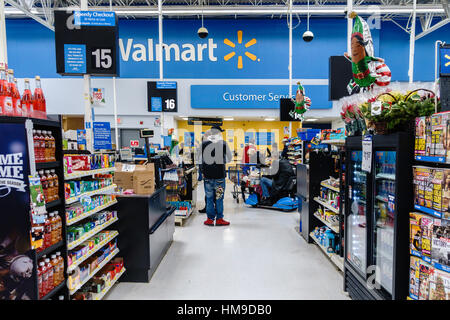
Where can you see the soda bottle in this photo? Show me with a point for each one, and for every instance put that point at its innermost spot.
(47, 146)
(27, 100)
(55, 183)
(54, 225)
(18, 99)
(50, 187)
(39, 100)
(42, 148)
(47, 232)
(15, 95)
(49, 266)
(55, 265)
(44, 184)
(37, 146)
(61, 266)
(6, 105)
(58, 223)
(52, 146)
(41, 279)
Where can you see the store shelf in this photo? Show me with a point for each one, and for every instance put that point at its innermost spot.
(326, 185)
(338, 142)
(100, 295)
(80, 174)
(53, 204)
(91, 193)
(428, 260)
(430, 159)
(47, 165)
(90, 213)
(380, 198)
(76, 152)
(385, 176)
(75, 264)
(54, 291)
(50, 249)
(432, 212)
(334, 228)
(100, 266)
(89, 234)
(336, 259)
(326, 205)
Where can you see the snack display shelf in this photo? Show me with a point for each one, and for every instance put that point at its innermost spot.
(89, 234)
(80, 174)
(75, 264)
(326, 205)
(336, 259)
(100, 295)
(91, 193)
(89, 213)
(91, 274)
(50, 249)
(54, 291)
(326, 185)
(335, 228)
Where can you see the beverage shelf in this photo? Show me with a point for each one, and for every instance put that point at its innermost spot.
(50, 249)
(75, 264)
(47, 165)
(90, 213)
(326, 205)
(100, 295)
(89, 234)
(91, 193)
(91, 274)
(54, 291)
(326, 185)
(385, 176)
(335, 258)
(334, 228)
(80, 174)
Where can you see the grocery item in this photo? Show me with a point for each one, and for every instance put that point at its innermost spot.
(27, 100)
(6, 104)
(40, 110)
(15, 95)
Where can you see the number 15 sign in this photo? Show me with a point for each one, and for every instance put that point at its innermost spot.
(86, 43)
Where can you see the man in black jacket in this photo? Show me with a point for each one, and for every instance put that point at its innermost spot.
(215, 154)
(272, 188)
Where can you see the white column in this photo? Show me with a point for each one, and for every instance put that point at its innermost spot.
(412, 43)
(349, 26)
(87, 99)
(290, 48)
(3, 48)
(161, 74)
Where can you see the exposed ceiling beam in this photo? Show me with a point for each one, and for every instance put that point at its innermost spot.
(28, 13)
(433, 28)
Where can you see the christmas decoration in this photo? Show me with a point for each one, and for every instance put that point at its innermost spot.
(302, 103)
(367, 69)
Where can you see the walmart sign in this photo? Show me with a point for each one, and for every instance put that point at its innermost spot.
(252, 97)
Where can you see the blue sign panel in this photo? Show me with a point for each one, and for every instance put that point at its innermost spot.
(264, 138)
(81, 138)
(102, 135)
(445, 61)
(156, 104)
(253, 97)
(75, 58)
(95, 18)
(166, 84)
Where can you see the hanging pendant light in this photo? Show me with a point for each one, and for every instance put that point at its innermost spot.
(308, 35)
(202, 32)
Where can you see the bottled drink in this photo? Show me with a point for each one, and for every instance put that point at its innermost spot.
(44, 184)
(50, 187)
(46, 145)
(42, 147)
(55, 184)
(15, 95)
(18, 99)
(58, 222)
(41, 279)
(39, 100)
(49, 266)
(37, 146)
(47, 233)
(61, 266)
(27, 100)
(55, 265)
(6, 105)
(55, 230)
(52, 144)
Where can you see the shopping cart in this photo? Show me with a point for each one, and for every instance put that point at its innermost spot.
(246, 178)
(235, 175)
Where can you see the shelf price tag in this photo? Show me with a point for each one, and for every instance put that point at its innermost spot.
(367, 153)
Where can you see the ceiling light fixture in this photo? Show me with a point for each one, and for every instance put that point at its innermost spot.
(228, 119)
(269, 119)
(311, 119)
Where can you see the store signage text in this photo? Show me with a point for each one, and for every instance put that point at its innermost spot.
(227, 96)
(139, 52)
(11, 171)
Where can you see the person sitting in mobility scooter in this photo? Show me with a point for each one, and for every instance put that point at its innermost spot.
(277, 192)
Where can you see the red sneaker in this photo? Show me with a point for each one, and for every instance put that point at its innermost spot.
(221, 222)
(209, 222)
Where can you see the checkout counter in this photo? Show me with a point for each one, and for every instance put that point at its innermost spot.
(146, 228)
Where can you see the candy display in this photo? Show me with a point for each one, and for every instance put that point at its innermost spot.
(82, 207)
(84, 249)
(73, 163)
(75, 188)
(75, 232)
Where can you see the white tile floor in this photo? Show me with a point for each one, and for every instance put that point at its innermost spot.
(259, 256)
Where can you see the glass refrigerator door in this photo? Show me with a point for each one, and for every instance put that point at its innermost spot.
(356, 232)
(384, 214)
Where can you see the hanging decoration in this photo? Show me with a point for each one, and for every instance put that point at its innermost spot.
(302, 103)
(368, 70)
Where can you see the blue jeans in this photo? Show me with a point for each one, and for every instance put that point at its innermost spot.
(266, 185)
(214, 188)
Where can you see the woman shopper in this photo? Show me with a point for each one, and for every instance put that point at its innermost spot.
(215, 154)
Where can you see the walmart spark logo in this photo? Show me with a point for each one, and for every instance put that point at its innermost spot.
(230, 55)
(448, 58)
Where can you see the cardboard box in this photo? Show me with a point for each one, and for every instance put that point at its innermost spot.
(140, 178)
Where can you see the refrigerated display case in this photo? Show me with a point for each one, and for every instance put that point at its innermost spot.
(377, 218)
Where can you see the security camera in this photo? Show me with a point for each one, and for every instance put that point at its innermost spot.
(202, 32)
(308, 36)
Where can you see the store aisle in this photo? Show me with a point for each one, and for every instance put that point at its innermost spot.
(260, 256)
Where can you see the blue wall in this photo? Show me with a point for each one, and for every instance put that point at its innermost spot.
(31, 49)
